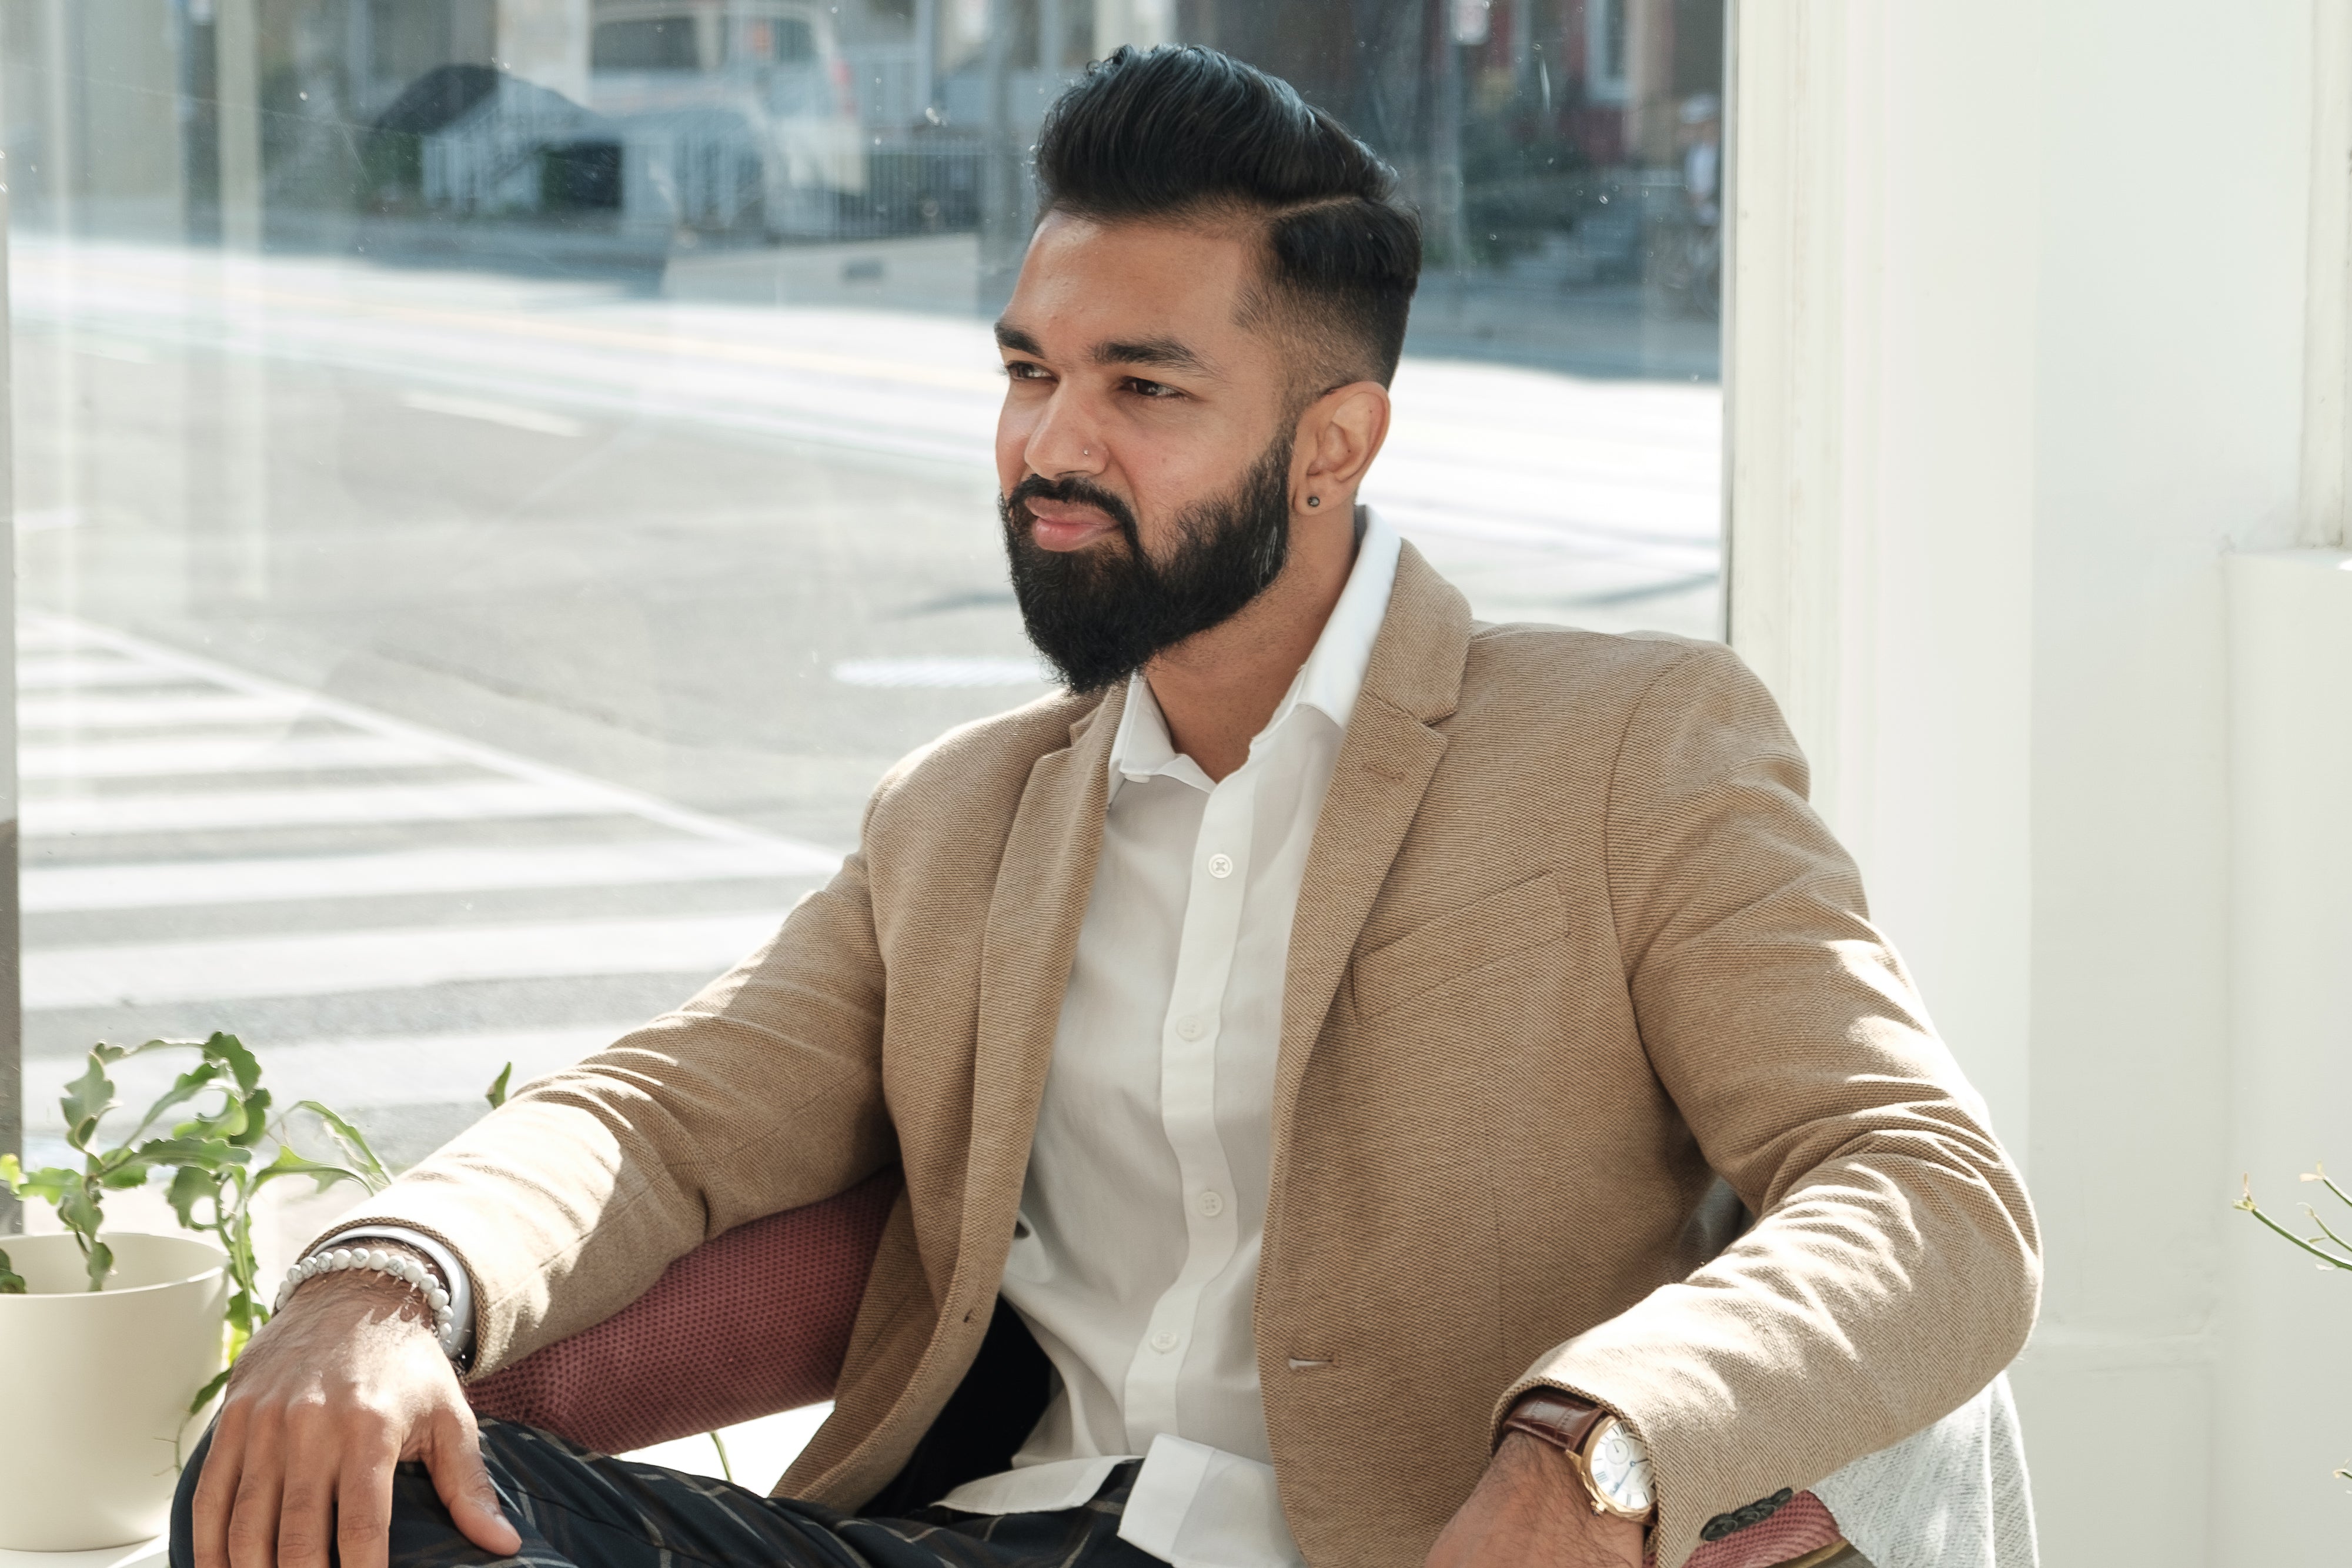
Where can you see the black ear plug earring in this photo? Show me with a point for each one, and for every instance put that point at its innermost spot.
(1314, 500)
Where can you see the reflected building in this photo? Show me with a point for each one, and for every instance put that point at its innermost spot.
(1564, 152)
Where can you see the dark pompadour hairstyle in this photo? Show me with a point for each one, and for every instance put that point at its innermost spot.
(1182, 131)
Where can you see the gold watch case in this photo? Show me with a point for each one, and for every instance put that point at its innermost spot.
(1615, 1467)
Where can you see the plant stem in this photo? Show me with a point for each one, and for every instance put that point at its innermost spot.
(726, 1466)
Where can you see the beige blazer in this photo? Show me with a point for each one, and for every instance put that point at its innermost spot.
(1570, 943)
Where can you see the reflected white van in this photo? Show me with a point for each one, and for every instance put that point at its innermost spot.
(744, 108)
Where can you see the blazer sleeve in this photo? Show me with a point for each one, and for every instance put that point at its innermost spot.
(761, 1094)
(1894, 1267)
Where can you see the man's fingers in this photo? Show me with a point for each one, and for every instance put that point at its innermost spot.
(363, 1509)
(306, 1513)
(253, 1503)
(454, 1459)
(208, 1510)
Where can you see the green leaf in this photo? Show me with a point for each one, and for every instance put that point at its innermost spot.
(289, 1163)
(49, 1183)
(99, 1262)
(230, 1051)
(184, 1088)
(12, 1283)
(78, 1207)
(497, 1092)
(211, 1154)
(90, 1097)
(192, 1184)
(117, 1175)
(204, 1395)
(353, 1143)
(256, 1106)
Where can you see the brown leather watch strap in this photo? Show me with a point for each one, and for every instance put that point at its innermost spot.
(1560, 1419)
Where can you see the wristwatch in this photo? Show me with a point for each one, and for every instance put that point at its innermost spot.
(1613, 1463)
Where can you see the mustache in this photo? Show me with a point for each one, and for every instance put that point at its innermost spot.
(1073, 491)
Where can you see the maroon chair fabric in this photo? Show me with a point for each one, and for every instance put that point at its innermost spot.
(755, 1321)
(758, 1321)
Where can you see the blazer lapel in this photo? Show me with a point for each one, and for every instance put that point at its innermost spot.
(1389, 756)
(1031, 940)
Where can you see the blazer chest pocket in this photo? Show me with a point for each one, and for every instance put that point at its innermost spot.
(1458, 943)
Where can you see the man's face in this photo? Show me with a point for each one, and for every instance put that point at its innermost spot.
(1144, 448)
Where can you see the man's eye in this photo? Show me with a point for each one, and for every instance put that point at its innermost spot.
(1023, 371)
(1137, 385)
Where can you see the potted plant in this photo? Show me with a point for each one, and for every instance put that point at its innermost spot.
(112, 1343)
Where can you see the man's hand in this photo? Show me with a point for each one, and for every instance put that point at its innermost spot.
(338, 1388)
(1530, 1507)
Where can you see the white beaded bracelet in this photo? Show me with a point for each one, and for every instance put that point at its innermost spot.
(398, 1265)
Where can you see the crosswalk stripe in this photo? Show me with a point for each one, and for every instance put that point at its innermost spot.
(74, 672)
(48, 637)
(244, 754)
(350, 1074)
(324, 964)
(90, 815)
(619, 800)
(181, 884)
(195, 710)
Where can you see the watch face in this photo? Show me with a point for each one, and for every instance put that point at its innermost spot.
(1620, 1465)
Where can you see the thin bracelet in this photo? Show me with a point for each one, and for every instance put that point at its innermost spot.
(399, 1266)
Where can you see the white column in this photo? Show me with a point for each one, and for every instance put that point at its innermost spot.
(2327, 342)
(2286, 1384)
(1999, 413)
(1883, 463)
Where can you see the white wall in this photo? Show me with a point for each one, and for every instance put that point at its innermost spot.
(2286, 1404)
(2048, 263)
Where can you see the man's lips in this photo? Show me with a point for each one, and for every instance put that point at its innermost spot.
(1060, 526)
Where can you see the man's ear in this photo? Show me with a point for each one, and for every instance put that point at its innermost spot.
(1340, 434)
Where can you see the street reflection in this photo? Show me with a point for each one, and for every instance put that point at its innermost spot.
(497, 480)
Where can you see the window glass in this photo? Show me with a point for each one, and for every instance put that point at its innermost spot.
(497, 480)
(663, 43)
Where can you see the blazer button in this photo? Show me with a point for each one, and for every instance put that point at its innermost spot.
(1741, 1517)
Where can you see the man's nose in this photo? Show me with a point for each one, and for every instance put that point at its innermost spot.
(1064, 441)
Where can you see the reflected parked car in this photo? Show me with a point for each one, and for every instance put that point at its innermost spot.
(744, 108)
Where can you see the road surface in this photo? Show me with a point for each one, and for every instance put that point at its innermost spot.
(422, 671)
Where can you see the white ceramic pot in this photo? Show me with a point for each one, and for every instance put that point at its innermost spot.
(95, 1387)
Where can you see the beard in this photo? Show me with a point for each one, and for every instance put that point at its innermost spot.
(1099, 615)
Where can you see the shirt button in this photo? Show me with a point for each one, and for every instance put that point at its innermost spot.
(1213, 1204)
(1191, 1028)
(1164, 1341)
(1221, 865)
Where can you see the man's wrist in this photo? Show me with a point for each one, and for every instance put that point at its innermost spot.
(455, 1277)
(392, 1298)
(1608, 1459)
(1562, 1420)
(411, 1269)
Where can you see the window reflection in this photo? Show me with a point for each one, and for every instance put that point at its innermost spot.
(498, 479)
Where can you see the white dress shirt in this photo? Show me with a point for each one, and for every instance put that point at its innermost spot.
(1135, 1262)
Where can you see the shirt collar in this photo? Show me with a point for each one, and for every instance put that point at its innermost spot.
(1329, 682)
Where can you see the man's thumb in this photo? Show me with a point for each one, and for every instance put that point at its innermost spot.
(454, 1462)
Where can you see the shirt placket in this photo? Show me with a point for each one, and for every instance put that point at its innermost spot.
(1188, 1095)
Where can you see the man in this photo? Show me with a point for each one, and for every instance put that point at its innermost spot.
(1312, 1044)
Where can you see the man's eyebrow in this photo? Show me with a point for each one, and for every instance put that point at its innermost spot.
(1008, 336)
(1166, 353)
